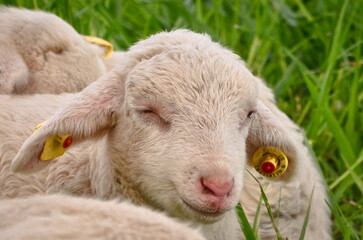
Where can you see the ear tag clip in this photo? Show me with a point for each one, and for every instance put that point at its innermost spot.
(55, 146)
(101, 42)
(270, 161)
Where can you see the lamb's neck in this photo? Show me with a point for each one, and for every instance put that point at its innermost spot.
(122, 173)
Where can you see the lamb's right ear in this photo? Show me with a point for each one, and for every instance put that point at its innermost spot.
(272, 133)
(14, 73)
(88, 115)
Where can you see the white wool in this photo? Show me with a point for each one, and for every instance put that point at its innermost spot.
(113, 60)
(65, 217)
(41, 53)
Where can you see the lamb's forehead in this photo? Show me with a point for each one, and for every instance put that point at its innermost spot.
(192, 71)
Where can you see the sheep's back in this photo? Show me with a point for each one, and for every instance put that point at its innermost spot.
(65, 217)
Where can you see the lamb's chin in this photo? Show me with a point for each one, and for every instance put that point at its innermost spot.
(202, 215)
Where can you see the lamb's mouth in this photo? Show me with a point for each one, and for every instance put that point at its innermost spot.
(210, 215)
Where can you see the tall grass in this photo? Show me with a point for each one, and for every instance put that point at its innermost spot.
(310, 52)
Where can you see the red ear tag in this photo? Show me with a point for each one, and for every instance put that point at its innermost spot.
(270, 161)
(268, 167)
(67, 142)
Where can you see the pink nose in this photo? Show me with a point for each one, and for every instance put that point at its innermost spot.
(216, 187)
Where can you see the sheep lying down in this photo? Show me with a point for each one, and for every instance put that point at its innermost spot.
(174, 126)
(41, 53)
(65, 217)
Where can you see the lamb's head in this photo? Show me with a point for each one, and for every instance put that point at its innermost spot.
(184, 124)
(41, 53)
(177, 113)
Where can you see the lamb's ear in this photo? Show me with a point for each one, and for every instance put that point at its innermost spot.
(88, 115)
(272, 128)
(14, 73)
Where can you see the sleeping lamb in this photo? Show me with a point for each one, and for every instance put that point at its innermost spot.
(174, 127)
(41, 53)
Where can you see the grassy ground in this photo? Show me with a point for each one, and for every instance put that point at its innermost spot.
(310, 52)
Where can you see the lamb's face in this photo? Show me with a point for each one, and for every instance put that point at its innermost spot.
(187, 112)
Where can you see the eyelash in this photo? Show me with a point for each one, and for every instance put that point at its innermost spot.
(147, 111)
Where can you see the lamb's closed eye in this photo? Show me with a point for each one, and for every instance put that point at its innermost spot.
(151, 115)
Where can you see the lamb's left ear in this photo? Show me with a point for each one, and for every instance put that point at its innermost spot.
(89, 115)
(274, 140)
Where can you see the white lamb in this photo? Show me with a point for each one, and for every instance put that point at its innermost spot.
(41, 53)
(172, 127)
(64, 217)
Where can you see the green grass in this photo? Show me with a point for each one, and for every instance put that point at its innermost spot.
(310, 52)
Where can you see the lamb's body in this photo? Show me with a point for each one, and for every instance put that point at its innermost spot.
(144, 158)
(64, 217)
(41, 53)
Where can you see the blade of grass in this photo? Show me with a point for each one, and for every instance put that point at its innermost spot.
(343, 224)
(347, 172)
(334, 53)
(304, 113)
(285, 81)
(343, 145)
(353, 97)
(268, 207)
(306, 220)
(35, 4)
(257, 218)
(304, 10)
(278, 209)
(246, 227)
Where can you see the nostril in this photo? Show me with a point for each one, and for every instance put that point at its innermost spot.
(216, 187)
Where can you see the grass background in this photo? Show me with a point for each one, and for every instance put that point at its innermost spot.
(310, 52)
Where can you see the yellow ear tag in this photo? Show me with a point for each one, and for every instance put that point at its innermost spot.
(270, 161)
(55, 146)
(101, 42)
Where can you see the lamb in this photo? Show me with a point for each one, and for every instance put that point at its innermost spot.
(41, 53)
(174, 127)
(65, 217)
